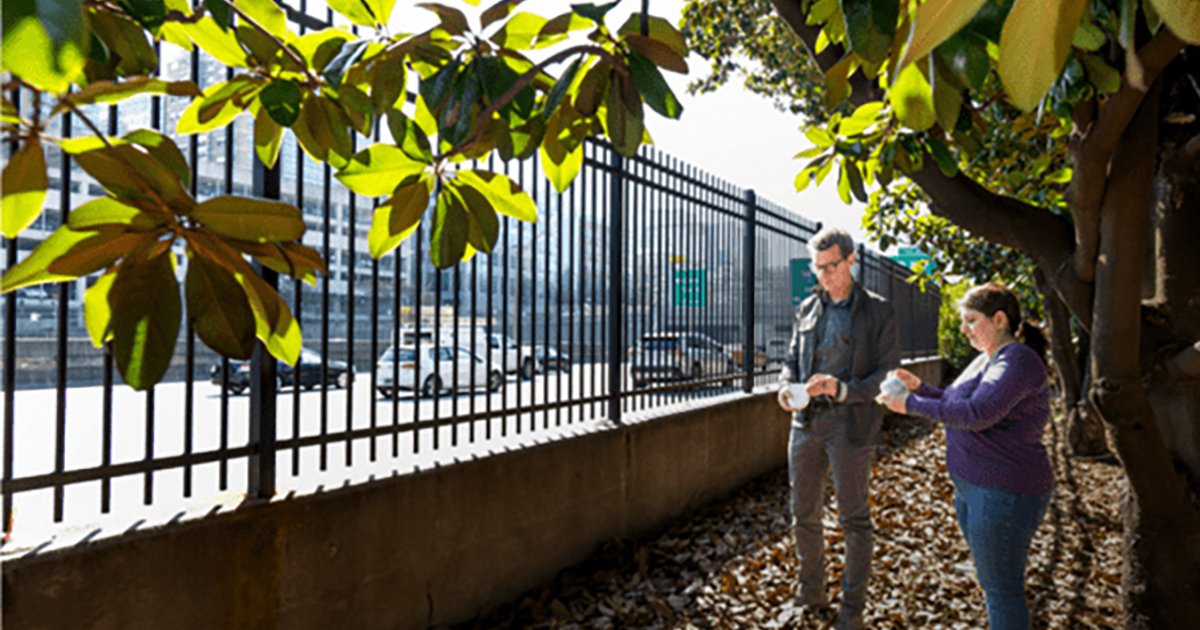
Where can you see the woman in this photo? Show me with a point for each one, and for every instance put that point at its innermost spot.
(994, 414)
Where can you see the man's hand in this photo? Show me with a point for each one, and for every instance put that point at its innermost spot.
(784, 399)
(822, 385)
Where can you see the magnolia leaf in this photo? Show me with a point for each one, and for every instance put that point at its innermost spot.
(62, 243)
(319, 48)
(409, 137)
(1103, 76)
(108, 92)
(1181, 16)
(837, 83)
(268, 138)
(273, 321)
(131, 171)
(483, 226)
(146, 309)
(855, 179)
(215, 40)
(378, 170)
(594, 12)
(653, 87)
(660, 30)
(497, 12)
(911, 97)
(560, 88)
(504, 195)
(965, 55)
(942, 155)
(449, 240)
(557, 29)
(395, 220)
(290, 259)
(388, 85)
(97, 314)
(870, 26)
(108, 212)
(661, 54)
(125, 42)
(947, 100)
(1045, 27)
(519, 31)
(163, 149)
(24, 188)
(624, 117)
(1088, 36)
(219, 105)
(354, 10)
(281, 100)
(935, 21)
(221, 12)
(560, 162)
(453, 20)
(218, 309)
(45, 43)
(267, 14)
(593, 89)
(250, 219)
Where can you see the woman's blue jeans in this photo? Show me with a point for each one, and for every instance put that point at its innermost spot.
(999, 527)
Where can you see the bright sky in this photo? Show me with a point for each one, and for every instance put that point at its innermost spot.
(733, 134)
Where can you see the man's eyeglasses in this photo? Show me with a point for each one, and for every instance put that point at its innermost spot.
(820, 269)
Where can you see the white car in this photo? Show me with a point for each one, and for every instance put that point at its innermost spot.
(505, 354)
(676, 356)
(434, 370)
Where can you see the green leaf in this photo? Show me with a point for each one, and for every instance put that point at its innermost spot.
(504, 195)
(218, 107)
(436, 88)
(912, 98)
(97, 315)
(267, 14)
(449, 240)
(557, 29)
(870, 25)
(658, 52)
(843, 184)
(387, 90)
(855, 179)
(1181, 16)
(45, 43)
(319, 48)
(594, 12)
(146, 310)
(624, 126)
(281, 101)
(554, 97)
(218, 309)
(497, 12)
(346, 57)
(217, 41)
(945, 159)
(108, 212)
(108, 92)
(457, 117)
(965, 55)
(268, 138)
(837, 83)
(24, 188)
(1088, 36)
(560, 160)
(1046, 27)
(409, 136)
(483, 226)
(453, 20)
(934, 22)
(1061, 176)
(523, 140)
(70, 246)
(221, 12)
(660, 30)
(819, 136)
(1103, 76)
(150, 14)
(395, 220)
(947, 100)
(519, 31)
(163, 149)
(126, 43)
(274, 324)
(130, 171)
(354, 10)
(653, 87)
(378, 170)
(250, 219)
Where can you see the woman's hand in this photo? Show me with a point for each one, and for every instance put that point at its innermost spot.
(784, 399)
(910, 380)
(898, 404)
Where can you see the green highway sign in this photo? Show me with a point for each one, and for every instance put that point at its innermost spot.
(803, 280)
(691, 287)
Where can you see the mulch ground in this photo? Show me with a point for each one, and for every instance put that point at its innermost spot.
(732, 564)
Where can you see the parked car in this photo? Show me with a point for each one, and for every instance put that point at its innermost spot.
(760, 355)
(777, 349)
(548, 358)
(435, 370)
(504, 352)
(306, 373)
(674, 356)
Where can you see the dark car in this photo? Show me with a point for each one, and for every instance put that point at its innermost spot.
(308, 369)
(550, 359)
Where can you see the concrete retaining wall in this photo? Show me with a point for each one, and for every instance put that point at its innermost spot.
(428, 548)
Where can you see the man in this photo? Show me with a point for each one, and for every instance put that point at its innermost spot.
(843, 345)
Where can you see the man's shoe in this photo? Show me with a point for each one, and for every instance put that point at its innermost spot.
(849, 621)
(810, 608)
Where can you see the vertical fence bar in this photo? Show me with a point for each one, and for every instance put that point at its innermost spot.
(263, 376)
(10, 359)
(60, 427)
(748, 258)
(616, 282)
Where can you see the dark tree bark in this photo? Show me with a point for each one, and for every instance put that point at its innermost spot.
(1136, 187)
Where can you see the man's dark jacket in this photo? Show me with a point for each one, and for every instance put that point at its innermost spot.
(876, 350)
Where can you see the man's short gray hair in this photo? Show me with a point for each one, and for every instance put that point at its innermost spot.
(829, 237)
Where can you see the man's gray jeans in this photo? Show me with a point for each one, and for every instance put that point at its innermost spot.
(816, 448)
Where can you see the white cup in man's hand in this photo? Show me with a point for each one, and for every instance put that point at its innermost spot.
(797, 395)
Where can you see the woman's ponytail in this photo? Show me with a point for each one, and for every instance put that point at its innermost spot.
(1031, 335)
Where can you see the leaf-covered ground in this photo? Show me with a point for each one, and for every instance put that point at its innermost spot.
(732, 564)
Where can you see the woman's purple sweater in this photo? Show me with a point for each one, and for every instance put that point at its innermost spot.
(994, 414)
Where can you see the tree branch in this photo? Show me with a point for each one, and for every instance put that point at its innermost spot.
(862, 89)
(1185, 363)
(1092, 148)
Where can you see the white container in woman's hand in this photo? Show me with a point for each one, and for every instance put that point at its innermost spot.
(893, 386)
(797, 395)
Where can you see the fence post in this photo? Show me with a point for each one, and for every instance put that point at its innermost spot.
(748, 260)
(261, 482)
(616, 279)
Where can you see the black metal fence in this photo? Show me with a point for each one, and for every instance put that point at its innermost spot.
(647, 284)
